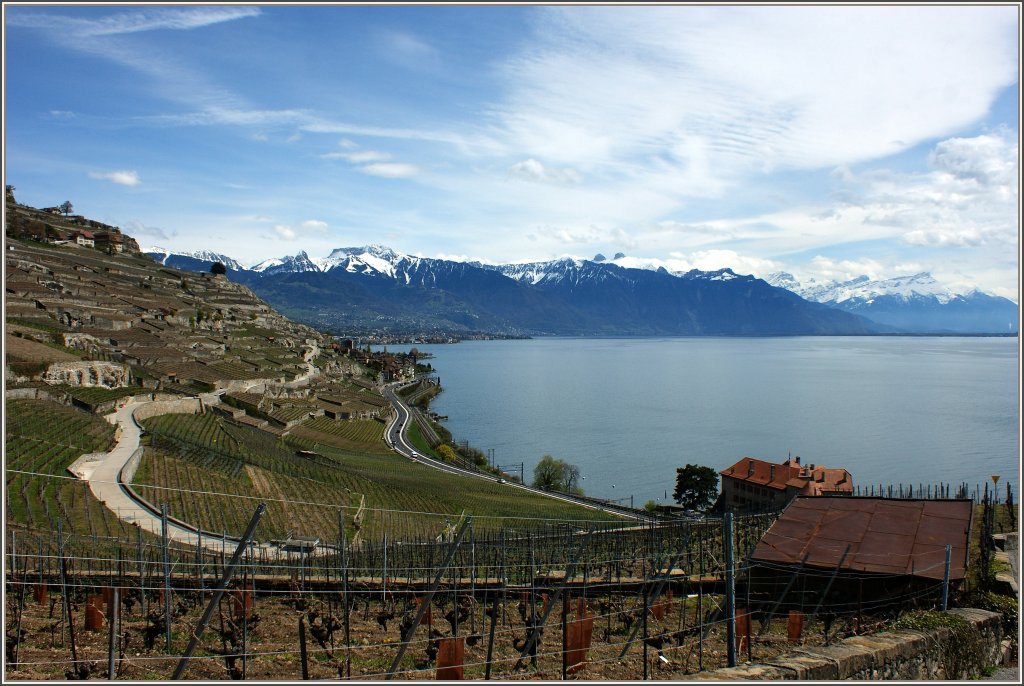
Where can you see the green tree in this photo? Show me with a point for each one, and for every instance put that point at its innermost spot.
(218, 268)
(696, 487)
(552, 474)
(446, 453)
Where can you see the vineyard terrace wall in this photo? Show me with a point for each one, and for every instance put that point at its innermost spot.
(904, 655)
(182, 406)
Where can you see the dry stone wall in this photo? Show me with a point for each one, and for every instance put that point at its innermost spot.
(94, 373)
(897, 656)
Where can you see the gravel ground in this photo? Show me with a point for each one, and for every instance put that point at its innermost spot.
(1007, 674)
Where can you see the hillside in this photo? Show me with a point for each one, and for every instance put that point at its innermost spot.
(291, 416)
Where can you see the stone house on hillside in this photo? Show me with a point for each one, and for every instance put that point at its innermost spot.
(753, 484)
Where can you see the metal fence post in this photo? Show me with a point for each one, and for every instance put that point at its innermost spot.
(167, 574)
(730, 590)
(945, 580)
(407, 636)
(218, 594)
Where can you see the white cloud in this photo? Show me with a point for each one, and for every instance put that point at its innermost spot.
(307, 229)
(359, 157)
(136, 229)
(134, 22)
(711, 260)
(124, 177)
(285, 232)
(390, 170)
(827, 269)
(989, 159)
(716, 92)
(314, 226)
(963, 238)
(532, 170)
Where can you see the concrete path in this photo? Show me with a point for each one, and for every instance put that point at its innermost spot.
(102, 471)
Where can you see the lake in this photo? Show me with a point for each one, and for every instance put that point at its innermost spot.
(628, 411)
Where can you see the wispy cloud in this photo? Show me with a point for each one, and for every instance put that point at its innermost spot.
(408, 50)
(124, 177)
(390, 170)
(285, 232)
(532, 170)
(362, 156)
(133, 22)
(306, 229)
(724, 92)
(315, 226)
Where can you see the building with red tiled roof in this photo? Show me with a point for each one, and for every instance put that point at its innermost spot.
(757, 484)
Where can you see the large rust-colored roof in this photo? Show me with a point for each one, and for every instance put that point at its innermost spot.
(886, 536)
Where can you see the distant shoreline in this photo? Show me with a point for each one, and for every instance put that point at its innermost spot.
(450, 340)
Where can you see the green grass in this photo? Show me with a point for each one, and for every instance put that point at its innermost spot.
(420, 443)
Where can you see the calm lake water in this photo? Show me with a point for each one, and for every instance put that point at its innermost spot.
(629, 411)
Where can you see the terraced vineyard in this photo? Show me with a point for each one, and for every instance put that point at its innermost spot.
(359, 434)
(212, 472)
(44, 437)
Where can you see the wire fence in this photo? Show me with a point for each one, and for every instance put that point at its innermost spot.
(623, 601)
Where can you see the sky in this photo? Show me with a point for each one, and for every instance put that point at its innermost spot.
(825, 141)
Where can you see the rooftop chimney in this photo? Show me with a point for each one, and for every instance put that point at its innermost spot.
(798, 459)
(750, 468)
(773, 473)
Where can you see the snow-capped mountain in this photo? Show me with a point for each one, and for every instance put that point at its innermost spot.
(863, 288)
(376, 287)
(162, 255)
(915, 304)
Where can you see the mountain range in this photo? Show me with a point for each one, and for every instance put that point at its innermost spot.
(916, 303)
(375, 289)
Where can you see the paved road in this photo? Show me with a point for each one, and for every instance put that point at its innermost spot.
(396, 436)
(103, 472)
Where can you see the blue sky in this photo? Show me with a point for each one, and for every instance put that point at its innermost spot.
(827, 141)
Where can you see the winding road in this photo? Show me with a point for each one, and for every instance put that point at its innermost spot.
(104, 471)
(397, 437)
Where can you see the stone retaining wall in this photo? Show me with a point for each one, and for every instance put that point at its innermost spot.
(128, 471)
(894, 656)
(33, 394)
(181, 406)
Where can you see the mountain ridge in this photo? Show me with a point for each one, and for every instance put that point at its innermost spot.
(916, 303)
(364, 287)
